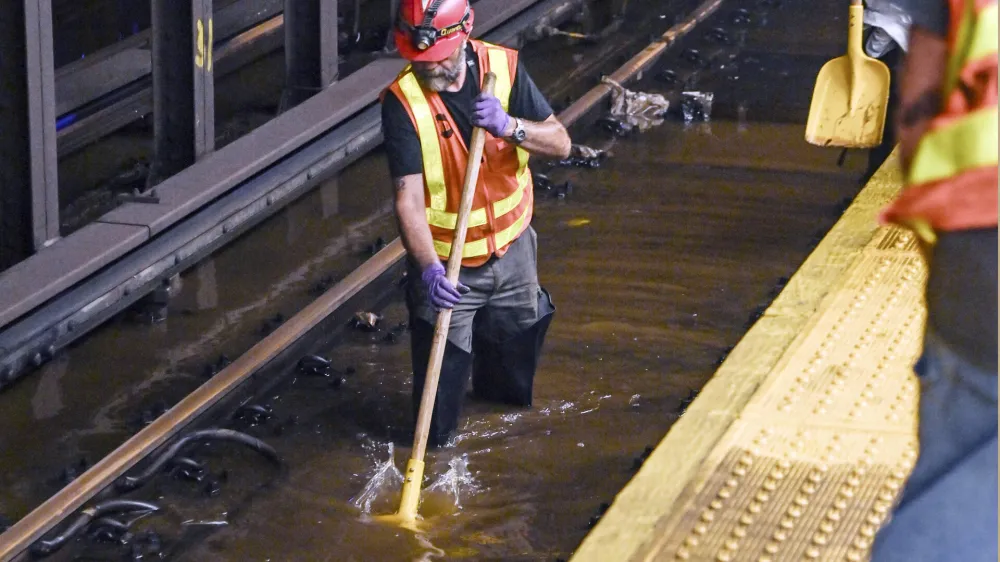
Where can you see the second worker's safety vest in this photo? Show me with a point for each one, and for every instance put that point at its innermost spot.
(503, 202)
(952, 181)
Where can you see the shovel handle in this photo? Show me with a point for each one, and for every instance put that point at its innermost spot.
(454, 266)
(855, 28)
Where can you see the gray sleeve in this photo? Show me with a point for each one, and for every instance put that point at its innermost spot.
(931, 15)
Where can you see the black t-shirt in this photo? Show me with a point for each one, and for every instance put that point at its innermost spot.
(402, 145)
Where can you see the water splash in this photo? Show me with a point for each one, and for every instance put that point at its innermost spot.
(383, 487)
(457, 482)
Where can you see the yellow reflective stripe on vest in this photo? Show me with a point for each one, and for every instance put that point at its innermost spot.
(984, 35)
(508, 204)
(444, 219)
(506, 235)
(968, 143)
(473, 249)
(976, 38)
(499, 67)
(523, 175)
(479, 248)
(504, 206)
(430, 149)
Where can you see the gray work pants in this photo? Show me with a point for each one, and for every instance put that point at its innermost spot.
(506, 291)
(507, 287)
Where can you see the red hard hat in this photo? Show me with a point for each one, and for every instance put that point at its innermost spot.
(431, 30)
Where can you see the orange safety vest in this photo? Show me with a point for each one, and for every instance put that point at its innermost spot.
(952, 181)
(504, 198)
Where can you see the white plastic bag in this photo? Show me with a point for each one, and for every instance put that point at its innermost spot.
(892, 26)
(638, 109)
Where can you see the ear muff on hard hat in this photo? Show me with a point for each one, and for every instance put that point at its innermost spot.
(431, 30)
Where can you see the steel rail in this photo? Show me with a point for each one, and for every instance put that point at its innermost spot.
(640, 62)
(23, 533)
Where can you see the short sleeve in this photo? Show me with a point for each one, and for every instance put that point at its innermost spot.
(402, 145)
(527, 101)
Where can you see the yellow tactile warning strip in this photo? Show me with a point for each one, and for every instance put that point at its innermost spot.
(798, 447)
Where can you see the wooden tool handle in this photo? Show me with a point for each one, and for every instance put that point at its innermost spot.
(454, 266)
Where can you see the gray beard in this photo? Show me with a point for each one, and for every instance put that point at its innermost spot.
(441, 82)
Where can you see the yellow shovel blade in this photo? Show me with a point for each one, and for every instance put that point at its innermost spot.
(406, 517)
(835, 119)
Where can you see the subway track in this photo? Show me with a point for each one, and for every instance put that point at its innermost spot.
(657, 262)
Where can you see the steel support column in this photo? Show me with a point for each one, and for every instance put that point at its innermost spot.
(183, 85)
(310, 49)
(29, 185)
(390, 39)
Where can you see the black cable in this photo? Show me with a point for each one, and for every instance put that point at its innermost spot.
(127, 483)
(46, 547)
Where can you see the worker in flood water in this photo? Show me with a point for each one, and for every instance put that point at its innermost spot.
(947, 131)
(499, 309)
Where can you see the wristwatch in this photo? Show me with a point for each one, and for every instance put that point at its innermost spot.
(519, 134)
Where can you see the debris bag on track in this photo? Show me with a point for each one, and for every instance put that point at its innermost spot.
(638, 109)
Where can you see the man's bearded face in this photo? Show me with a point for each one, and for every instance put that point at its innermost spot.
(438, 76)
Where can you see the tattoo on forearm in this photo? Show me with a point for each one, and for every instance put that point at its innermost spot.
(923, 108)
(399, 184)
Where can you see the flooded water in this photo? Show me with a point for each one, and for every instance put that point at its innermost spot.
(658, 261)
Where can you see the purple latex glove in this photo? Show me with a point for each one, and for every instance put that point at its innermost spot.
(441, 292)
(489, 115)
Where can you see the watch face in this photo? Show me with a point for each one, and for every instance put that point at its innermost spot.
(519, 135)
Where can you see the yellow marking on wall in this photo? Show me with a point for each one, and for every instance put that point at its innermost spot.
(199, 42)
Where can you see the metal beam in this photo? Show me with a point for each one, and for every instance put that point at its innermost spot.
(135, 100)
(310, 49)
(86, 80)
(183, 87)
(29, 185)
(42, 121)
